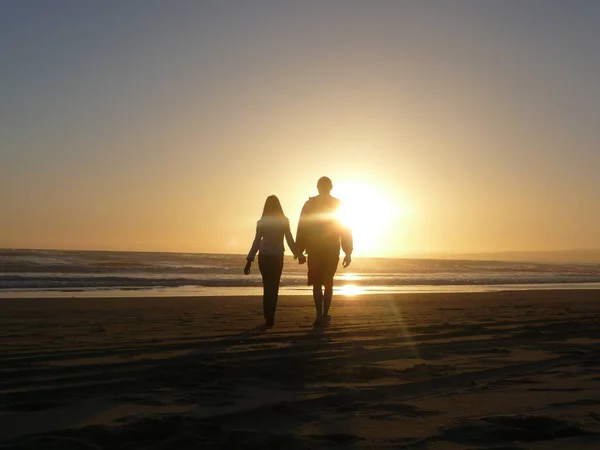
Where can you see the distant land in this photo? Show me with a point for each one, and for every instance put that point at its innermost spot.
(558, 256)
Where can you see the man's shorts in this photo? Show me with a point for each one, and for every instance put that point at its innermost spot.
(322, 268)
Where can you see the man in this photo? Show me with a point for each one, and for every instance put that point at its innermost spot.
(321, 234)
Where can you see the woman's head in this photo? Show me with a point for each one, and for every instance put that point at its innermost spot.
(272, 207)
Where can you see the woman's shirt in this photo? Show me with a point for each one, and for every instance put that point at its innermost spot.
(270, 232)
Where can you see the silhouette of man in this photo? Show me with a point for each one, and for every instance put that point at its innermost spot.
(321, 234)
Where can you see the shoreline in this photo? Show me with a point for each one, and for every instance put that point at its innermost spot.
(523, 294)
(346, 290)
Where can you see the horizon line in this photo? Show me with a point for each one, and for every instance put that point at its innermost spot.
(426, 255)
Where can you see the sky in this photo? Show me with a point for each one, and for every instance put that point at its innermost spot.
(449, 127)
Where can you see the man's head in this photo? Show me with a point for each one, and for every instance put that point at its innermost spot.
(324, 185)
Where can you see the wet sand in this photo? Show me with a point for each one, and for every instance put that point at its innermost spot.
(511, 370)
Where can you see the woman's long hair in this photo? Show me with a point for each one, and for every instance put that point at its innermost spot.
(272, 208)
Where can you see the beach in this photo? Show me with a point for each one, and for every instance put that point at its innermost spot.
(510, 369)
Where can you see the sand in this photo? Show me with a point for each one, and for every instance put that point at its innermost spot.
(510, 370)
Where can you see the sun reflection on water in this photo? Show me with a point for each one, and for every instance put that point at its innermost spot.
(349, 277)
(350, 290)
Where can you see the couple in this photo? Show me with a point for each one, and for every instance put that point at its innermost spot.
(320, 234)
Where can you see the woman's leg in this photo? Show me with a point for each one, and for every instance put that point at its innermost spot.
(277, 269)
(270, 269)
(263, 265)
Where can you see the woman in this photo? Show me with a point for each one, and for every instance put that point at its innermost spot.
(272, 227)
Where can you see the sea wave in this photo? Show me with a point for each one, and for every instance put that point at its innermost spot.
(47, 269)
(33, 282)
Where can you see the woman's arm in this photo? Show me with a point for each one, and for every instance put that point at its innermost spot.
(255, 244)
(290, 240)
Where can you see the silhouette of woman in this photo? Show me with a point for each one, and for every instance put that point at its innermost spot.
(272, 227)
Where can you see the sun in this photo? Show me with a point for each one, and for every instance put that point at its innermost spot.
(369, 214)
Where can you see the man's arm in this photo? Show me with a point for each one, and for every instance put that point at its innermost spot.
(302, 232)
(347, 242)
(344, 230)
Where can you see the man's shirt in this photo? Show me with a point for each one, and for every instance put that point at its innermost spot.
(320, 229)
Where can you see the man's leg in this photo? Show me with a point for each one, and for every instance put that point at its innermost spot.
(314, 279)
(329, 273)
(327, 296)
(318, 298)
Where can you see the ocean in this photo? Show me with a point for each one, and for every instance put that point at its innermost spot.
(88, 273)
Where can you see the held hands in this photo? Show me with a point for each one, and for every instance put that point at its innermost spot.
(347, 261)
(247, 268)
(301, 259)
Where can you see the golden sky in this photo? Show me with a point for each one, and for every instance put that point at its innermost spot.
(446, 129)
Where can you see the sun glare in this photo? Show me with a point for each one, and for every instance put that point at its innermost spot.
(350, 290)
(369, 214)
